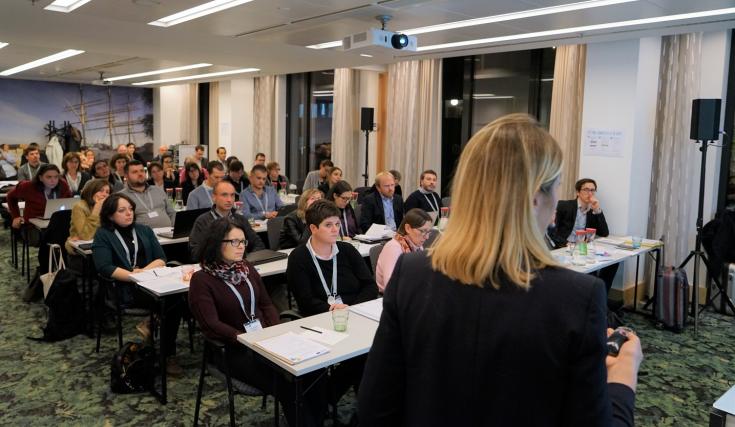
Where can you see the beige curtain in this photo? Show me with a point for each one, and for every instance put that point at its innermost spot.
(413, 125)
(346, 137)
(193, 115)
(264, 116)
(675, 170)
(213, 119)
(567, 98)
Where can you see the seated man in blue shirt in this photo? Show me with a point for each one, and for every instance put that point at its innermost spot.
(382, 206)
(258, 200)
(201, 197)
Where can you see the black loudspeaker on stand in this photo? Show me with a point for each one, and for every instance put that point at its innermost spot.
(704, 130)
(366, 125)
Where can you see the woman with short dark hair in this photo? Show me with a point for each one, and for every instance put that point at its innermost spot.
(227, 297)
(193, 178)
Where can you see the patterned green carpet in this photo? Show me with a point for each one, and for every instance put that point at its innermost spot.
(67, 383)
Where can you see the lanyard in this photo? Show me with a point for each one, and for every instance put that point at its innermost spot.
(51, 193)
(265, 196)
(150, 199)
(321, 275)
(125, 247)
(434, 208)
(239, 298)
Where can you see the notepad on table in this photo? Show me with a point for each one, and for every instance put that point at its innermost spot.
(375, 233)
(324, 336)
(292, 348)
(370, 309)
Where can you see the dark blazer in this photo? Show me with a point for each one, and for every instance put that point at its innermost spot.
(566, 214)
(200, 230)
(294, 232)
(108, 253)
(452, 354)
(372, 210)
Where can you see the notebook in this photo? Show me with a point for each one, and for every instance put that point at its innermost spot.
(55, 205)
(292, 348)
(183, 223)
(263, 256)
(370, 309)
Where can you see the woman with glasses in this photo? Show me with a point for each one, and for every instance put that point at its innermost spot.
(228, 298)
(341, 195)
(101, 170)
(485, 328)
(294, 231)
(410, 237)
(120, 248)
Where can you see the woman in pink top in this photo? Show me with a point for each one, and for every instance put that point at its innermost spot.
(410, 237)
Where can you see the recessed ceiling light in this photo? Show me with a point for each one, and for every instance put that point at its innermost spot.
(150, 73)
(495, 18)
(43, 61)
(197, 12)
(66, 6)
(2, 45)
(366, 55)
(582, 29)
(198, 76)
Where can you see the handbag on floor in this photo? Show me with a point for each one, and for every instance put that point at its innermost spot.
(132, 369)
(672, 298)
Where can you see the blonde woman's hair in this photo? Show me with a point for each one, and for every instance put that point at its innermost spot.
(493, 234)
(304, 199)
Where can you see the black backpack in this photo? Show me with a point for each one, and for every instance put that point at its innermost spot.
(133, 369)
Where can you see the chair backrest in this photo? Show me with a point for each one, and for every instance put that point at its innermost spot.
(274, 232)
(360, 193)
(446, 202)
(375, 254)
(432, 238)
(58, 227)
(286, 209)
(358, 211)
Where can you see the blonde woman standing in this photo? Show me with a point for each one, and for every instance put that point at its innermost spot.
(486, 329)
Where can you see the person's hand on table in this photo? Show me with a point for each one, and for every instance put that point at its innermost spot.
(623, 369)
(337, 306)
(270, 215)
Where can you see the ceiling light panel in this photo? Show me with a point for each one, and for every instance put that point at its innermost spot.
(198, 76)
(154, 72)
(43, 61)
(581, 29)
(2, 45)
(197, 12)
(66, 6)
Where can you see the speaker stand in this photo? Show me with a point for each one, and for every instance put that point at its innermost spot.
(367, 153)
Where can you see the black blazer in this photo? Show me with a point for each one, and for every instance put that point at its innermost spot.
(294, 232)
(566, 214)
(452, 354)
(372, 210)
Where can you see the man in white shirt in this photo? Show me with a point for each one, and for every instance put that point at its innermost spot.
(152, 207)
(201, 197)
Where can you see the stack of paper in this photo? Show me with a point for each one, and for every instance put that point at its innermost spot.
(370, 309)
(376, 232)
(292, 348)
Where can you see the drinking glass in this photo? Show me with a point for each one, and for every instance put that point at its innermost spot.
(339, 319)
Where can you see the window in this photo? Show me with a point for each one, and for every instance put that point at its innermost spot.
(309, 129)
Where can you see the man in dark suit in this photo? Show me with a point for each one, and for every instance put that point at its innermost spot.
(382, 206)
(580, 213)
(425, 197)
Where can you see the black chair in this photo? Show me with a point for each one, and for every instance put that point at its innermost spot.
(110, 290)
(446, 202)
(361, 191)
(358, 212)
(433, 235)
(375, 254)
(234, 386)
(286, 209)
(274, 227)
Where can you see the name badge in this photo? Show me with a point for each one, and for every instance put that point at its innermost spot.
(153, 214)
(253, 326)
(332, 300)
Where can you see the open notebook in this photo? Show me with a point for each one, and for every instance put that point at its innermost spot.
(292, 348)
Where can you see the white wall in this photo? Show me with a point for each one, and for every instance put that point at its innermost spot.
(369, 88)
(621, 89)
(235, 103)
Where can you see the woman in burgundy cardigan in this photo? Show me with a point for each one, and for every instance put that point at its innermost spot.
(45, 185)
(227, 297)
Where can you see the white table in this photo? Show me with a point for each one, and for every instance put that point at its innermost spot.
(722, 413)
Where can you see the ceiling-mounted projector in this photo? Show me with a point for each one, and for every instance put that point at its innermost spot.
(381, 39)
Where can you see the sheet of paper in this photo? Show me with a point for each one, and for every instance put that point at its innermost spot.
(326, 337)
(292, 348)
(376, 230)
(164, 285)
(370, 309)
(143, 276)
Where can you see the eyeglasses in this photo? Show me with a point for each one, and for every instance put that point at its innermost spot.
(424, 232)
(345, 198)
(588, 190)
(235, 243)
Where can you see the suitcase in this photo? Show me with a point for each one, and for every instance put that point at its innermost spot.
(672, 298)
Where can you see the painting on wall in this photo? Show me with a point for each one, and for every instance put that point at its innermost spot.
(102, 117)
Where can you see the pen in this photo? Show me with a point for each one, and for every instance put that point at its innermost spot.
(312, 330)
